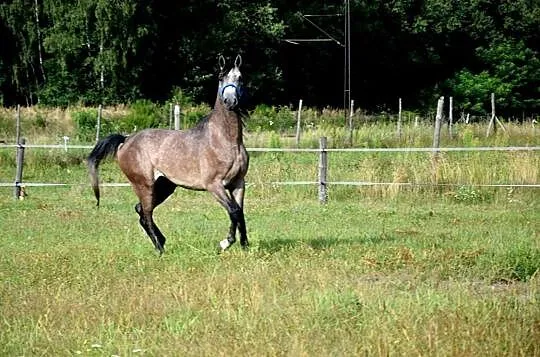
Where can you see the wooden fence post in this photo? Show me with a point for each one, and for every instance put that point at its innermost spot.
(438, 120)
(492, 119)
(177, 117)
(19, 172)
(450, 117)
(18, 124)
(98, 124)
(437, 140)
(170, 115)
(323, 166)
(399, 120)
(298, 122)
(66, 139)
(351, 124)
(20, 153)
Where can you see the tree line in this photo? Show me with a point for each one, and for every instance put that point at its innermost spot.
(60, 53)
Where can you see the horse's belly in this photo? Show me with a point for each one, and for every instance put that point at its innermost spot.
(194, 185)
(182, 182)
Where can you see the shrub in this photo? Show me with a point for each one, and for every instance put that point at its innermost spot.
(468, 194)
(85, 123)
(269, 118)
(143, 114)
(193, 114)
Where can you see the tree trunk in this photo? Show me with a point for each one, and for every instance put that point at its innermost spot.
(38, 29)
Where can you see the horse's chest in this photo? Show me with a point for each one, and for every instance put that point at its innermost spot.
(237, 167)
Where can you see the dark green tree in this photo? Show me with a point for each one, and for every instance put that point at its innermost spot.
(101, 51)
(512, 73)
(194, 33)
(93, 47)
(20, 49)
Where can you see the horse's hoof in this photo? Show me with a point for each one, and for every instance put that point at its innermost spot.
(160, 251)
(224, 244)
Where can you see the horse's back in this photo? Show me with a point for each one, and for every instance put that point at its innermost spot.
(151, 153)
(159, 141)
(187, 158)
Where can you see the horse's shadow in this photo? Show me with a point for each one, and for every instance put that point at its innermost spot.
(320, 243)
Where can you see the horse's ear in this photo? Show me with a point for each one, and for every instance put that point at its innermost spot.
(221, 62)
(238, 61)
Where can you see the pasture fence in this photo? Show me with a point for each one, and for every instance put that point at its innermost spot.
(322, 182)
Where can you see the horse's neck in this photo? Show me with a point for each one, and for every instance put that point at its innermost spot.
(227, 122)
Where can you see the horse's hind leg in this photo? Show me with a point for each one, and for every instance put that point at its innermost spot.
(147, 222)
(149, 197)
(161, 189)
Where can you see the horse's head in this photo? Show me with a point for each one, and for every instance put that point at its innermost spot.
(230, 84)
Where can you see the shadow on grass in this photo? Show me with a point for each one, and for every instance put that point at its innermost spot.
(322, 243)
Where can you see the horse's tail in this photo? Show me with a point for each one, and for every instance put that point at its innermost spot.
(105, 147)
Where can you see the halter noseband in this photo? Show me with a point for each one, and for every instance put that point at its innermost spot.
(229, 85)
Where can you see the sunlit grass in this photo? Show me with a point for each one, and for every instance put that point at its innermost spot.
(356, 276)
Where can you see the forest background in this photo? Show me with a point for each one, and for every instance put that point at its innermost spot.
(89, 52)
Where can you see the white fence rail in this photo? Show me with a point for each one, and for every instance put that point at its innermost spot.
(422, 149)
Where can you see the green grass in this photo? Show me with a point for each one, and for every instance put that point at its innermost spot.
(410, 275)
(448, 270)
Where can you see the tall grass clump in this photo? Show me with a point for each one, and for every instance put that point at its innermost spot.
(49, 125)
(38, 124)
(7, 124)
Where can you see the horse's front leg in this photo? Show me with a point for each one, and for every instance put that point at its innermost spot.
(237, 194)
(233, 209)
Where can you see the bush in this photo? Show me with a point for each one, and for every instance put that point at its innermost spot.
(269, 118)
(468, 194)
(85, 123)
(193, 114)
(143, 114)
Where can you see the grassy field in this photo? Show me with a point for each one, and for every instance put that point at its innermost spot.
(447, 270)
(409, 275)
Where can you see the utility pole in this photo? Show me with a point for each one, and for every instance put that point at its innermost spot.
(347, 56)
(346, 45)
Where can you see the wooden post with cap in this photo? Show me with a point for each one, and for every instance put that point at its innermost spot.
(323, 166)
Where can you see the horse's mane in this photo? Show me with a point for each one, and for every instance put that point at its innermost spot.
(203, 122)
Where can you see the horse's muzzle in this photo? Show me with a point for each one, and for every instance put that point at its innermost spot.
(230, 102)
